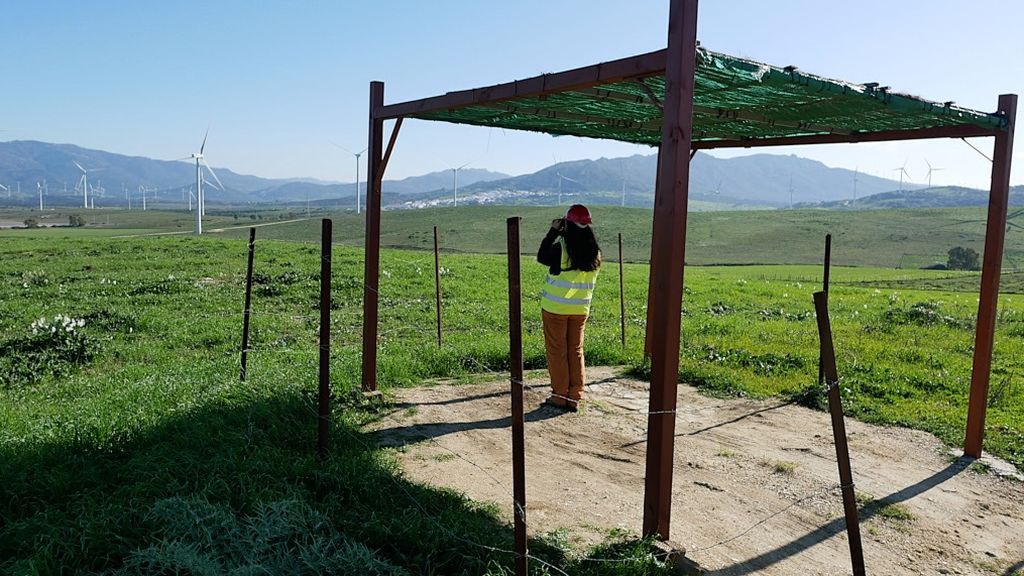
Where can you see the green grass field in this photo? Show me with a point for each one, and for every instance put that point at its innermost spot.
(128, 446)
(905, 239)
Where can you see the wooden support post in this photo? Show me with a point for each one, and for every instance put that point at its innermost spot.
(247, 308)
(669, 255)
(995, 234)
(437, 286)
(835, 408)
(825, 272)
(324, 396)
(622, 296)
(649, 326)
(515, 338)
(371, 257)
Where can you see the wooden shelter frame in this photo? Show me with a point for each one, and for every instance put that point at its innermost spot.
(678, 63)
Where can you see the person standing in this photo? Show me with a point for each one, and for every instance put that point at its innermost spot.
(571, 253)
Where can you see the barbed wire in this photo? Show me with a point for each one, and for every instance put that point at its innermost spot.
(762, 521)
(426, 514)
(519, 508)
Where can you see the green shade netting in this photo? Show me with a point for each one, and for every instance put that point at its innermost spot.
(734, 99)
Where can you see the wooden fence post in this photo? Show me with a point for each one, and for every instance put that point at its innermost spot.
(437, 286)
(835, 408)
(515, 337)
(324, 419)
(248, 301)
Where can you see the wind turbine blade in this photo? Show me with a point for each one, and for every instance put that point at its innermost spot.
(212, 185)
(203, 146)
(214, 174)
(79, 166)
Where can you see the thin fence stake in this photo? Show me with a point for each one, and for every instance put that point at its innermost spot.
(248, 301)
(622, 296)
(437, 286)
(515, 337)
(323, 424)
(835, 408)
(826, 271)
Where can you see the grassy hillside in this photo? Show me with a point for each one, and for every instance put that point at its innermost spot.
(910, 238)
(114, 411)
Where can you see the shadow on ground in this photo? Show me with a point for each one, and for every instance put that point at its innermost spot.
(838, 525)
(236, 487)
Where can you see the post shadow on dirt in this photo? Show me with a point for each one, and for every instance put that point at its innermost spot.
(735, 420)
(451, 401)
(838, 525)
(1013, 570)
(92, 504)
(404, 435)
(716, 425)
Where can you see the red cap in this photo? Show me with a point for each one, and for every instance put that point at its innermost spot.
(579, 215)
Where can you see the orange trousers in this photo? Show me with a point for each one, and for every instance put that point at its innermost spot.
(563, 341)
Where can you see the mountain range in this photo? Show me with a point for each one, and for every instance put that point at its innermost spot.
(755, 181)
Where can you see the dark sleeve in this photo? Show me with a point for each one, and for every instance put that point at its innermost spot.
(550, 252)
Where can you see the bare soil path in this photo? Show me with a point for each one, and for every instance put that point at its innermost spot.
(755, 480)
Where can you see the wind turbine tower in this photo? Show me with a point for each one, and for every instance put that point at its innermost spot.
(200, 197)
(357, 155)
(903, 172)
(83, 183)
(560, 178)
(455, 184)
(622, 174)
(930, 170)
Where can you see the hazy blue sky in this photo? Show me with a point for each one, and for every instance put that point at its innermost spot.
(277, 81)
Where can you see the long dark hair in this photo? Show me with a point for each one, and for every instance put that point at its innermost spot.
(581, 244)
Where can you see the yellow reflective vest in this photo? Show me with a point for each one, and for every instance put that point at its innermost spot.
(570, 291)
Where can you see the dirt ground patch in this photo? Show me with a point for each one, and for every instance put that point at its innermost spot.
(755, 483)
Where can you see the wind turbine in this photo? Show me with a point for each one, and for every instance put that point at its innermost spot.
(560, 178)
(903, 172)
(97, 191)
(200, 197)
(622, 174)
(39, 189)
(357, 155)
(856, 174)
(455, 184)
(83, 183)
(6, 189)
(930, 170)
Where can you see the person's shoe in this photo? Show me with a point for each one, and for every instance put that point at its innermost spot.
(555, 402)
